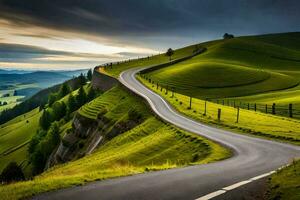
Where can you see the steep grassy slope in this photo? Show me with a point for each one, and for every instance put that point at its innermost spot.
(250, 122)
(16, 134)
(285, 183)
(237, 67)
(152, 145)
(14, 138)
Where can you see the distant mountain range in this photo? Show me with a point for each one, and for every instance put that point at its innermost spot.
(11, 79)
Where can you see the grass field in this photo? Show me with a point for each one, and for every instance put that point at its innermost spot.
(14, 138)
(237, 67)
(250, 122)
(152, 145)
(152, 60)
(13, 100)
(285, 183)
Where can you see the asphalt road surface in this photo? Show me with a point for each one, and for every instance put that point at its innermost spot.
(253, 158)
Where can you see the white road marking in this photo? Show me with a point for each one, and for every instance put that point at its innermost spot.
(212, 195)
(236, 185)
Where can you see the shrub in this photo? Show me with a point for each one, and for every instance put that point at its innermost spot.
(12, 172)
(134, 115)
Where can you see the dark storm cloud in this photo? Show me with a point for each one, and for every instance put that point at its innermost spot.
(153, 17)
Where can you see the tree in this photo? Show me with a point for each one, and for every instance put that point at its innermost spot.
(169, 53)
(12, 172)
(59, 110)
(52, 98)
(82, 79)
(91, 94)
(44, 148)
(89, 75)
(54, 134)
(45, 120)
(64, 90)
(228, 36)
(81, 97)
(72, 106)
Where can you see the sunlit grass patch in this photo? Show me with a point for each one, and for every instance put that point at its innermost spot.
(250, 122)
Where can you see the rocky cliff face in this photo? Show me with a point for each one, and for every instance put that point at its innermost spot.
(88, 134)
(77, 142)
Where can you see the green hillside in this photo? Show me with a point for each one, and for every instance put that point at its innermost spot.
(15, 136)
(237, 67)
(250, 122)
(151, 145)
(116, 69)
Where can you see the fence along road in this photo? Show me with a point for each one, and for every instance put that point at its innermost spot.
(253, 158)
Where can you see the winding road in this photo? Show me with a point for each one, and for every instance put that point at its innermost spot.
(253, 158)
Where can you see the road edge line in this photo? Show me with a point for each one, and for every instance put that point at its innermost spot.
(235, 185)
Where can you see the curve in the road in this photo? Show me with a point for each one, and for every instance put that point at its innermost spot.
(253, 158)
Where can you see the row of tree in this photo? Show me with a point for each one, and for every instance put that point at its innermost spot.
(60, 107)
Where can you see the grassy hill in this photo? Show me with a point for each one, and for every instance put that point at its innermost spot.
(14, 138)
(237, 67)
(250, 122)
(117, 68)
(285, 183)
(152, 145)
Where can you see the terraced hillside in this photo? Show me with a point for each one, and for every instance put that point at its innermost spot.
(151, 145)
(237, 67)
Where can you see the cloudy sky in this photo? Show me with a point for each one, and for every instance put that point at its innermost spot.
(56, 34)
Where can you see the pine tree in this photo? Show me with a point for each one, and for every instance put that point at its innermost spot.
(89, 75)
(59, 110)
(81, 98)
(64, 90)
(72, 106)
(82, 80)
(45, 120)
(54, 134)
(91, 94)
(52, 98)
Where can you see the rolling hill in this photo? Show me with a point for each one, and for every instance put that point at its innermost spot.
(237, 67)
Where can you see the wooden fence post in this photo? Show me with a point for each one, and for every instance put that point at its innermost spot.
(234, 103)
(190, 103)
(172, 93)
(248, 106)
(266, 108)
(291, 110)
(223, 102)
(237, 114)
(273, 109)
(255, 107)
(161, 88)
(219, 114)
